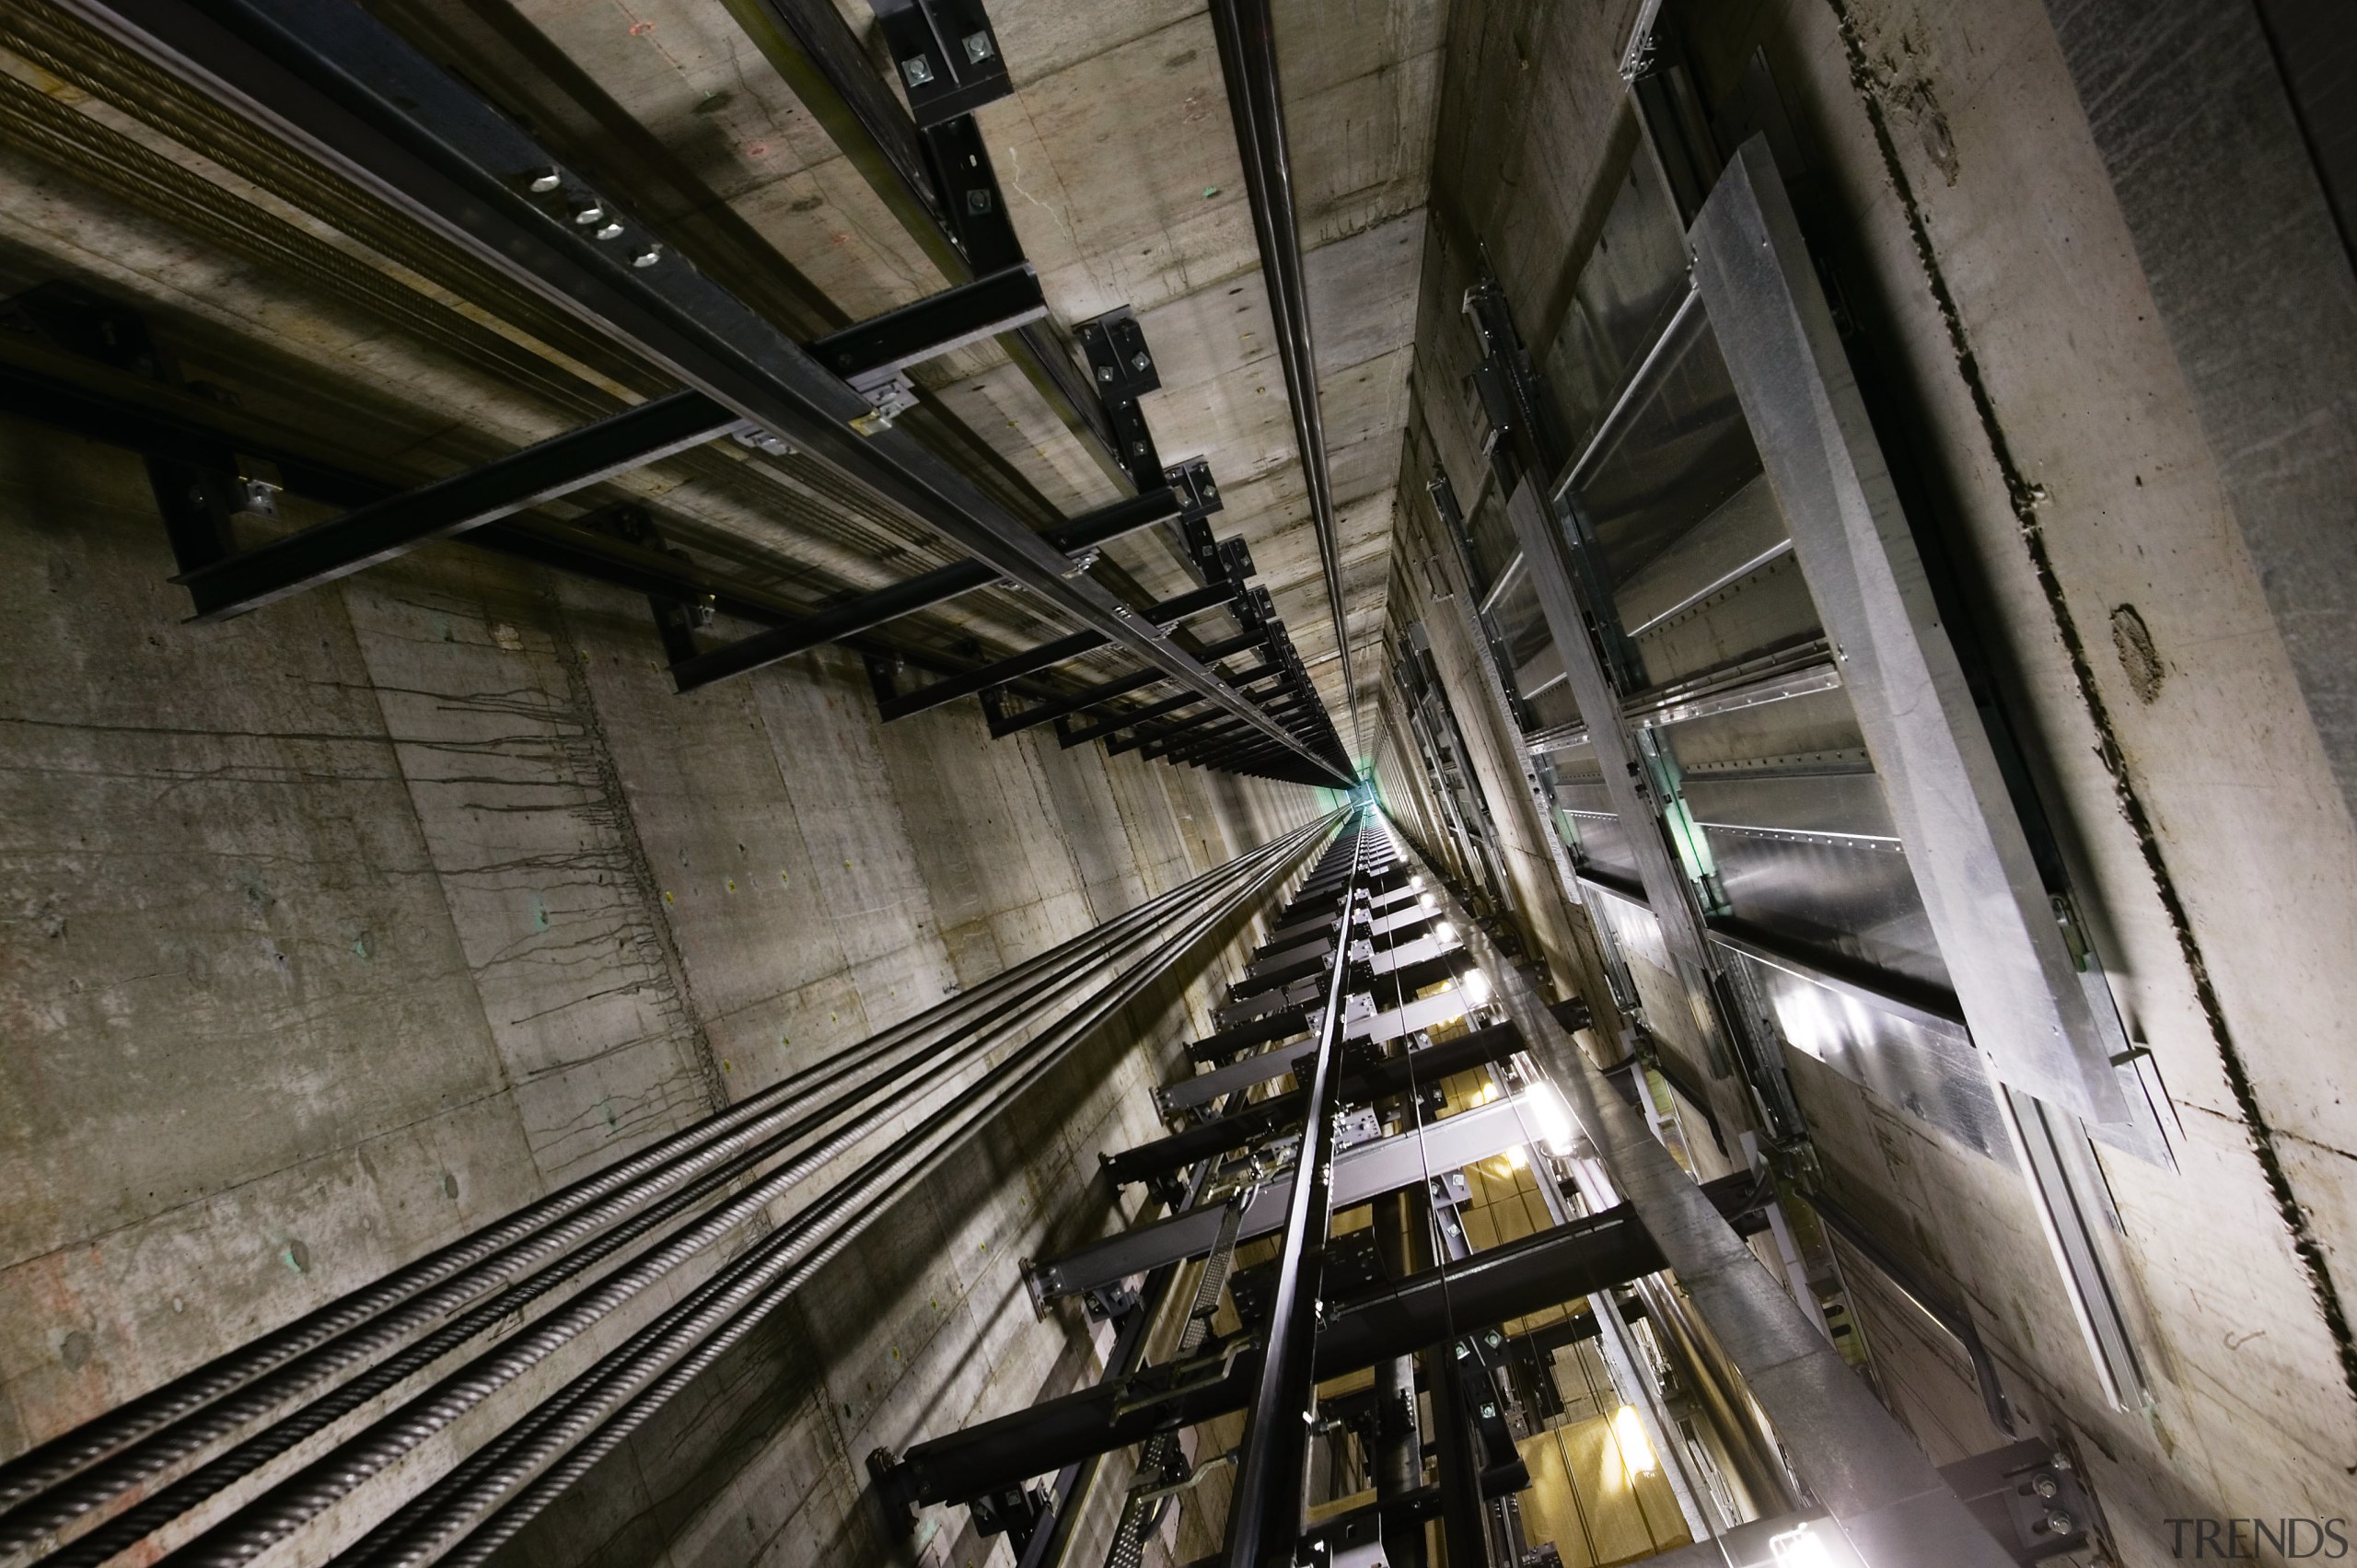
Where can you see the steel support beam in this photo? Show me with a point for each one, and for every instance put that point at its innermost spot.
(814, 48)
(1588, 1255)
(1359, 1175)
(337, 547)
(1047, 654)
(654, 430)
(1392, 1076)
(870, 609)
(1247, 54)
(336, 82)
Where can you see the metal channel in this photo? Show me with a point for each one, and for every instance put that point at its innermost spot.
(1265, 1506)
(1247, 53)
(351, 93)
(1991, 912)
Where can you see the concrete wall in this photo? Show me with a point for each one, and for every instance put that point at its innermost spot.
(1949, 182)
(341, 929)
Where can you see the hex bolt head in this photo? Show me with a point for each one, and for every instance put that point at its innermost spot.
(1104, 373)
(647, 256)
(593, 211)
(1140, 363)
(2061, 1524)
(916, 70)
(978, 47)
(610, 231)
(543, 181)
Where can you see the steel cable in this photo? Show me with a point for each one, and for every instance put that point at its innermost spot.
(156, 1429)
(578, 1456)
(295, 1500)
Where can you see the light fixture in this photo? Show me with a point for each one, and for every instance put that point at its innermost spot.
(1800, 1546)
(1445, 932)
(1555, 1118)
(1637, 1449)
(1427, 902)
(1476, 986)
(1416, 883)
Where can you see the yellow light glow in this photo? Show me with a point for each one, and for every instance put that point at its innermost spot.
(1516, 1159)
(1555, 1118)
(1636, 1450)
(1487, 1093)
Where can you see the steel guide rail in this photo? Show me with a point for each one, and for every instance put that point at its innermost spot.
(1330, 909)
(350, 92)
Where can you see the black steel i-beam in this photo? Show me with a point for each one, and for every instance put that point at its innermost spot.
(344, 88)
(1588, 1255)
(1247, 54)
(838, 620)
(1032, 660)
(1264, 1514)
(826, 64)
(1124, 720)
(1393, 1074)
(576, 460)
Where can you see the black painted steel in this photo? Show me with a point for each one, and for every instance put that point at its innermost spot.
(1588, 1255)
(1247, 53)
(337, 83)
(1264, 1515)
(1391, 1076)
(838, 621)
(1047, 654)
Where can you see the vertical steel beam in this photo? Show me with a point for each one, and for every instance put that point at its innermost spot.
(2003, 948)
(1248, 55)
(1265, 1505)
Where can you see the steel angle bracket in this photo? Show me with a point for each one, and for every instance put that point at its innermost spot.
(2006, 955)
(340, 85)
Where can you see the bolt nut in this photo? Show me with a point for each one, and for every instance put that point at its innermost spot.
(543, 181)
(2047, 1487)
(916, 70)
(647, 256)
(2060, 1523)
(593, 211)
(1104, 373)
(1140, 363)
(978, 47)
(609, 231)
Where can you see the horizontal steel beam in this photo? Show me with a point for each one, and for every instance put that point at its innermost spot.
(1392, 1076)
(838, 620)
(654, 430)
(334, 82)
(1591, 1254)
(310, 557)
(1047, 654)
(868, 353)
(1361, 1174)
(1104, 728)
